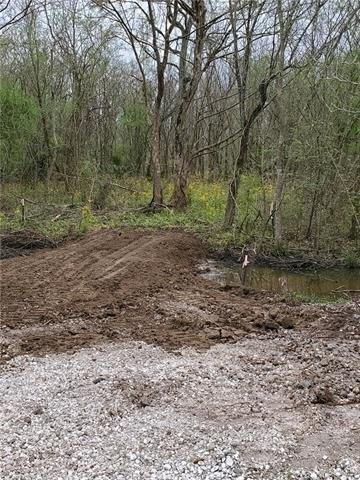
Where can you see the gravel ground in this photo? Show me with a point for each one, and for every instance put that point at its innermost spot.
(250, 410)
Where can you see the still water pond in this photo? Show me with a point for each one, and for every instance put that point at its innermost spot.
(320, 282)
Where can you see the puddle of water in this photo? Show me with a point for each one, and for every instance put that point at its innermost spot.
(320, 282)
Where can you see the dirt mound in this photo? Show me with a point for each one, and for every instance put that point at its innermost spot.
(116, 285)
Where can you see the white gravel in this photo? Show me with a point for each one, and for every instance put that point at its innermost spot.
(134, 411)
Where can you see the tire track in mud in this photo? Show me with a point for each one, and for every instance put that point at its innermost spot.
(137, 284)
(89, 289)
(58, 276)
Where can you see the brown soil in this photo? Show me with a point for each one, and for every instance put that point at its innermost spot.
(143, 285)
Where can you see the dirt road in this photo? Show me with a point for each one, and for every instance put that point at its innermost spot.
(293, 367)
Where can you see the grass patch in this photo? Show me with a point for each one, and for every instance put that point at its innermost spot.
(328, 299)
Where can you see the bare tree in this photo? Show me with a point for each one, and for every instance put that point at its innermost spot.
(208, 43)
(11, 16)
(160, 20)
(251, 15)
(189, 78)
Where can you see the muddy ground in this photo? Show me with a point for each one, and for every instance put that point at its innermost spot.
(113, 287)
(142, 285)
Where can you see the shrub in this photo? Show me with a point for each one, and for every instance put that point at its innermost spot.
(18, 125)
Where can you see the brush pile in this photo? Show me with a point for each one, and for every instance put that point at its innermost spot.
(23, 242)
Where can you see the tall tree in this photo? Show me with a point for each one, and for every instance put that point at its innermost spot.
(152, 35)
(252, 15)
(189, 78)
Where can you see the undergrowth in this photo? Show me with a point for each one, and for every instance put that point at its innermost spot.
(57, 213)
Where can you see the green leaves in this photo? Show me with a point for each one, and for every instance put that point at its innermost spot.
(18, 126)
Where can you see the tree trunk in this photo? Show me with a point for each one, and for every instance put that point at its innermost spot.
(241, 74)
(280, 179)
(35, 61)
(182, 164)
(355, 204)
(314, 202)
(179, 198)
(282, 124)
(188, 86)
(179, 195)
(354, 228)
(231, 203)
(242, 157)
(234, 184)
(355, 225)
(157, 198)
(279, 192)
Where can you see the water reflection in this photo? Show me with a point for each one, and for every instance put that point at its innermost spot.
(321, 282)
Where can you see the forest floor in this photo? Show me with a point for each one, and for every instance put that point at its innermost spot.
(116, 345)
(52, 211)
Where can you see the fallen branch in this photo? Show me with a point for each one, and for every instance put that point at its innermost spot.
(125, 188)
(345, 291)
(155, 208)
(64, 212)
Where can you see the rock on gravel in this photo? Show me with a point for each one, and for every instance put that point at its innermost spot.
(134, 411)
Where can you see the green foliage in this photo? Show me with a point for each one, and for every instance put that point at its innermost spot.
(130, 150)
(352, 261)
(319, 299)
(343, 79)
(18, 126)
(134, 115)
(2, 221)
(123, 208)
(88, 221)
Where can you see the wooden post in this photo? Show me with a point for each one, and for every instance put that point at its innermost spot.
(244, 266)
(23, 211)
